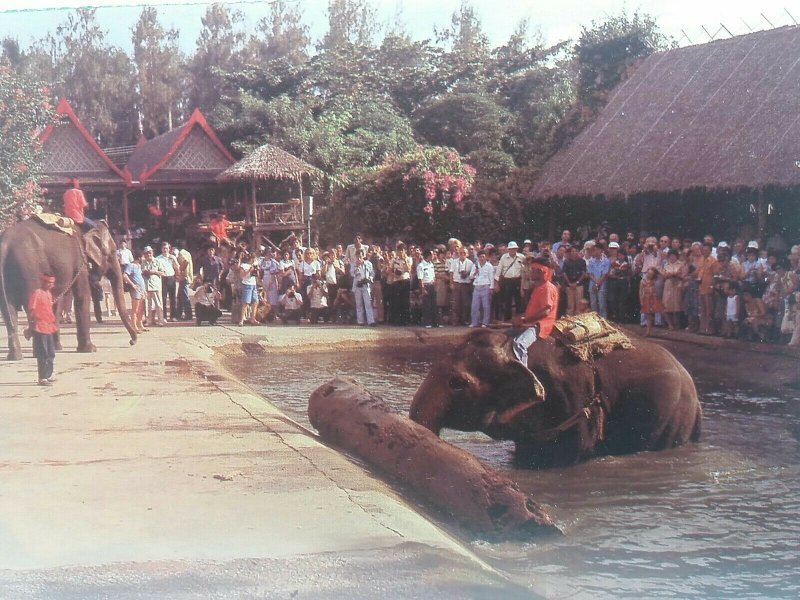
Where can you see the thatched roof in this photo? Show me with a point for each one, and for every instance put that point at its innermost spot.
(719, 115)
(269, 162)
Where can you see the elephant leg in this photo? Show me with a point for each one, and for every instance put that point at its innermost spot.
(12, 324)
(83, 298)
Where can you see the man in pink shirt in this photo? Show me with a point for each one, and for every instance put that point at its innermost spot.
(42, 325)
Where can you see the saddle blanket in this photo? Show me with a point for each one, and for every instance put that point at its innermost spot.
(56, 221)
(588, 334)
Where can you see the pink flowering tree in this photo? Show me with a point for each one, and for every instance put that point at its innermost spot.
(419, 195)
(24, 110)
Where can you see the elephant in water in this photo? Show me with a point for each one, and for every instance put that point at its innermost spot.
(30, 249)
(561, 410)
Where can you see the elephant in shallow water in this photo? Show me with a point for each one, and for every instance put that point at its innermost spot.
(30, 249)
(561, 410)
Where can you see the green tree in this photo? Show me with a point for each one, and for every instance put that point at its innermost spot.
(24, 110)
(282, 36)
(219, 51)
(350, 23)
(95, 77)
(159, 72)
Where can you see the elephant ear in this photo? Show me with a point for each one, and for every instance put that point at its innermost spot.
(518, 390)
(94, 246)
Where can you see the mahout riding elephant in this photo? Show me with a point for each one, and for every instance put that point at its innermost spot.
(561, 410)
(30, 249)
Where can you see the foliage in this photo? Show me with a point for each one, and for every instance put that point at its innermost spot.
(421, 193)
(159, 72)
(24, 110)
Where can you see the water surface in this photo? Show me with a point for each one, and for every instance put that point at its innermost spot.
(717, 519)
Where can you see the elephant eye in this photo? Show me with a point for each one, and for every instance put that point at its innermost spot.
(458, 384)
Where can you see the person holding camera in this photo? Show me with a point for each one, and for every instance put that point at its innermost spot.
(363, 275)
(248, 273)
(426, 274)
(206, 298)
(461, 285)
(400, 302)
(292, 304)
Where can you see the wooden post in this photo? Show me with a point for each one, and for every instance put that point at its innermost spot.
(253, 194)
(125, 217)
(762, 218)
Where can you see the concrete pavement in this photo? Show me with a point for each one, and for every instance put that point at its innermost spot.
(148, 471)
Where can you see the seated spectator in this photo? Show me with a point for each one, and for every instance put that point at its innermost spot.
(292, 304)
(758, 320)
(344, 306)
(205, 300)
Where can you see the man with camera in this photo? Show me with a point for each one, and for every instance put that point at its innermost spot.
(292, 303)
(205, 298)
(461, 285)
(363, 275)
(507, 281)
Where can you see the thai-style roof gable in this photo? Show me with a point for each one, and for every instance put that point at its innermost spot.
(71, 152)
(190, 154)
(720, 115)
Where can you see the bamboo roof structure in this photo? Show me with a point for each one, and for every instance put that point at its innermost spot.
(721, 115)
(269, 162)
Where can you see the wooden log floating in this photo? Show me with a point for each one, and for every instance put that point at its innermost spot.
(452, 479)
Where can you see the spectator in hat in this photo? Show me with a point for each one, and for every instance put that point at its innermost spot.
(508, 282)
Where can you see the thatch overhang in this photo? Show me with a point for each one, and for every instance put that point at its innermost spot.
(722, 115)
(71, 152)
(188, 155)
(269, 162)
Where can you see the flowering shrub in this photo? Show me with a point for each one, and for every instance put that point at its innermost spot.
(415, 195)
(24, 110)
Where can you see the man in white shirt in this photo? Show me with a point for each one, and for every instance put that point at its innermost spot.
(507, 281)
(426, 274)
(483, 278)
(124, 254)
(292, 303)
(205, 299)
(461, 284)
(169, 266)
(363, 275)
(352, 250)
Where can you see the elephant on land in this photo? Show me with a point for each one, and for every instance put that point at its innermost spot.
(561, 410)
(30, 249)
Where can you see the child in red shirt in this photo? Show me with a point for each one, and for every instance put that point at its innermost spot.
(42, 325)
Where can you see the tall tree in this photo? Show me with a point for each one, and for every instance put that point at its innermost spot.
(159, 72)
(95, 76)
(467, 48)
(350, 22)
(282, 35)
(219, 50)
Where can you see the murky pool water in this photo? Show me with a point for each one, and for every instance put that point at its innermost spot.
(719, 519)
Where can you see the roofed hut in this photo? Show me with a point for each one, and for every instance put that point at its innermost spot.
(705, 136)
(270, 164)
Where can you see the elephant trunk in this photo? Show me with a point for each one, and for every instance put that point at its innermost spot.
(115, 277)
(430, 405)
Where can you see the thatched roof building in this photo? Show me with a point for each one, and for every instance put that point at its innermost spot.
(269, 162)
(722, 115)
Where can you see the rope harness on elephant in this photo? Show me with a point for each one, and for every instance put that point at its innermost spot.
(593, 409)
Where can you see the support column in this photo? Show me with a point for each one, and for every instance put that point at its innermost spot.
(762, 218)
(125, 217)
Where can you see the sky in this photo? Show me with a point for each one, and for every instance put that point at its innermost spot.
(684, 20)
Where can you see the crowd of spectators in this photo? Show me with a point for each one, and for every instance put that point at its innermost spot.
(738, 290)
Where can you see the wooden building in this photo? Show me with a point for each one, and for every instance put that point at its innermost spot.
(174, 181)
(706, 138)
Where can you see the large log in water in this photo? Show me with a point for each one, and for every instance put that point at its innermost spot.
(450, 478)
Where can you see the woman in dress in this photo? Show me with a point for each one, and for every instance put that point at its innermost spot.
(674, 273)
(648, 298)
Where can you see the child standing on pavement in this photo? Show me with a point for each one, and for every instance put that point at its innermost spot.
(42, 325)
